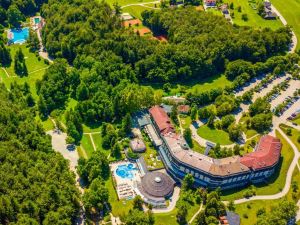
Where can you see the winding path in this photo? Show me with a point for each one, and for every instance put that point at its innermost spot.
(288, 177)
(196, 214)
(294, 37)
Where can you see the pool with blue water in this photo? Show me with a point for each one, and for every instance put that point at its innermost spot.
(125, 171)
(19, 36)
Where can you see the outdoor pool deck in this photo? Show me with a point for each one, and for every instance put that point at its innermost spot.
(126, 175)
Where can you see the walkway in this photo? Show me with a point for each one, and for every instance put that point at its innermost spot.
(196, 214)
(5, 71)
(288, 177)
(172, 204)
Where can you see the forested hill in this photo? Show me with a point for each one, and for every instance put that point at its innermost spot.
(36, 186)
(199, 44)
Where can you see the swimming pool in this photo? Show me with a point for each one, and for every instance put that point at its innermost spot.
(125, 171)
(19, 36)
(36, 20)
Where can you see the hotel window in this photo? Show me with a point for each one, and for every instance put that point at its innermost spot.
(201, 176)
(197, 175)
(182, 168)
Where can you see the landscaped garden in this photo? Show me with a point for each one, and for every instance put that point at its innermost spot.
(214, 135)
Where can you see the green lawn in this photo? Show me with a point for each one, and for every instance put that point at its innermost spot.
(135, 10)
(119, 208)
(193, 86)
(170, 218)
(127, 2)
(243, 209)
(294, 136)
(185, 121)
(87, 145)
(214, 11)
(290, 10)
(276, 182)
(297, 120)
(81, 153)
(48, 125)
(214, 135)
(166, 218)
(36, 69)
(197, 147)
(91, 129)
(254, 20)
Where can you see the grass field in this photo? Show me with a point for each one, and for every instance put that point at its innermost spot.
(127, 2)
(294, 136)
(297, 120)
(214, 135)
(119, 208)
(185, 121)
(135, 10)
(193, 86)
(87, 145)
(276, 182)
(290, 10)
(36, 69)
(251, 208)
(254, 20)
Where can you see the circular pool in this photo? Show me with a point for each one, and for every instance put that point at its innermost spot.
(125, 171)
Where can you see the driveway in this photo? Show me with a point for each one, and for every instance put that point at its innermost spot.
(59, 144)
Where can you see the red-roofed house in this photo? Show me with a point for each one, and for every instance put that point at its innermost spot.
(183, 109)
(161, 119)
(210, 3)
(266, 154)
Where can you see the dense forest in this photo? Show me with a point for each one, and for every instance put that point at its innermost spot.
(36, 186)
(12, 12)
(110, 61)
(200, 44)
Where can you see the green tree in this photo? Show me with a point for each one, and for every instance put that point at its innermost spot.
(187, 134)
(94, 167)
(19, 64)
(188, 182)
(235, 132)
(193, 113)
(138, 202)
(95, 197)
(14, 16)
(126, 124)
(33, 41)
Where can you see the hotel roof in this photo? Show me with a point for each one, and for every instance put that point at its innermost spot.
(162, 119)
(217, 167)
(266, 154)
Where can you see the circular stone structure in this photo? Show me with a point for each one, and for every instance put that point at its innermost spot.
(157, 184)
